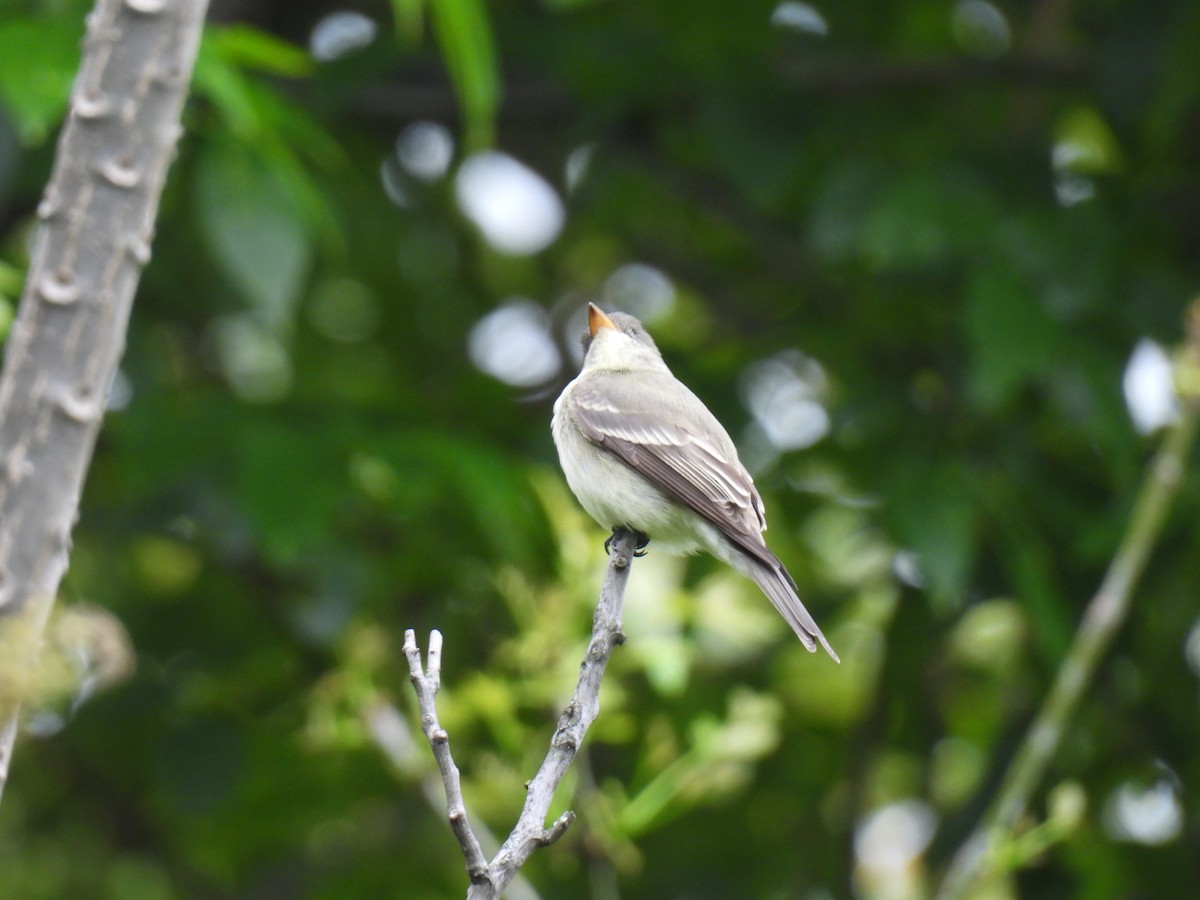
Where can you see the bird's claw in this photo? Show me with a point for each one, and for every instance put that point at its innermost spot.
(639, 549)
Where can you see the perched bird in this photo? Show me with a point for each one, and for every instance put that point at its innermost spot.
(642, 452)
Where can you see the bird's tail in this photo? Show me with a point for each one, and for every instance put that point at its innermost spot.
(780, 589)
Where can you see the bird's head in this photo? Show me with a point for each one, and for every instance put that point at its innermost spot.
(618, 341)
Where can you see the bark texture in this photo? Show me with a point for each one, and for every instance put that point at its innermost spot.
(96, 227)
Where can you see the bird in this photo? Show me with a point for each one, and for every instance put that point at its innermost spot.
(642, 453)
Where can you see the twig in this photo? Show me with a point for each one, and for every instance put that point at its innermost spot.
(488, 880)
(426, 683)
(96, 227)
(390, 731)
(1106, 612)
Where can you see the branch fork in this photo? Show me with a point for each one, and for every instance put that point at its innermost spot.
(488, 880)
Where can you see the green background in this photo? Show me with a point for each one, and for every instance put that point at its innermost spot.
(967, 215)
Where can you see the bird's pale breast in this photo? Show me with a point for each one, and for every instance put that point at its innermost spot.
(612, 493)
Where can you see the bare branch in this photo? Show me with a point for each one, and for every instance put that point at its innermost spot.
(1105, 614)
(97, 224)
(391, 733)
(488, 881)
(426, 682)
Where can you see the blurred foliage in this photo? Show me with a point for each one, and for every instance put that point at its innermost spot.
(968, 214)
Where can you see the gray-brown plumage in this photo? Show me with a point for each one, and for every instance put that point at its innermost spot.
(641, 451)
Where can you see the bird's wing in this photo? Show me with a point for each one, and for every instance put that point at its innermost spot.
(662, 431)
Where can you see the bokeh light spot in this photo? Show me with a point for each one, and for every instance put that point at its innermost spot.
(1149, 387)
(802, 17)
(340, 33)
(784, 394)
(252, 359)
(639, 290)
(1144, 814)
(890, 840)
(425, 149)
(578, 163)
(514, 207)
(981, 29)
(513, 344)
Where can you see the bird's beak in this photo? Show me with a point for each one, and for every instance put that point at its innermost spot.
(597, 319)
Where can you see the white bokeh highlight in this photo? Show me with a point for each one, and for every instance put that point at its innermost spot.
(784, 394)
(640, 290)
(252, 358)
(1149, 387)
(341, 33)
(801, 17)
(888, 846)
(425, 150)
(577, 166)
(513, 344)
(1150, 815)
(515, 209)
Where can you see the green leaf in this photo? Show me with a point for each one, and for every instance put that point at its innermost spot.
(934, 513)
(254, 49)
(248, 217)
(7, 313)
(292, 498)
(840, 206)
(1009, 334)
(277, 131)
(11, 279)
(410, 19)
(256, 112)
(38, 59)
(1084, 143)
(466, 487)
(925, 219)
(464, 35)
(223, 85)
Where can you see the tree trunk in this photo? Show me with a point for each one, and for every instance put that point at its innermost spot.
(97, 224)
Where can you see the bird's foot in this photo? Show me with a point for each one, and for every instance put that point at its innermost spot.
(639, 550)
(643, 541)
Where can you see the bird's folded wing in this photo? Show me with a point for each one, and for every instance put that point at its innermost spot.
(662, 431)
